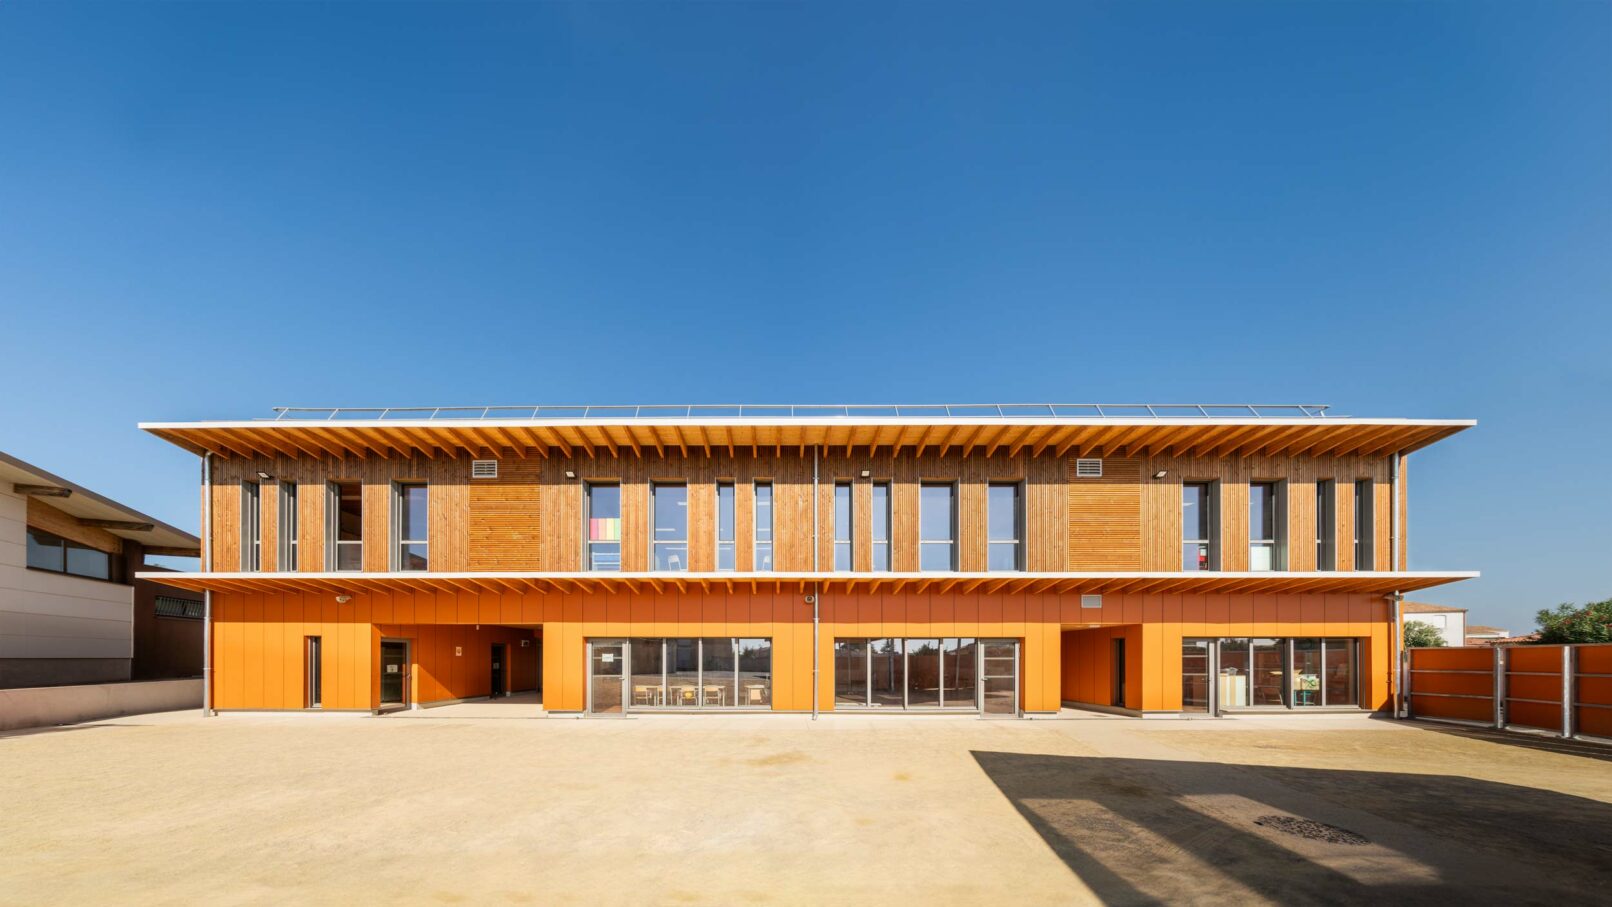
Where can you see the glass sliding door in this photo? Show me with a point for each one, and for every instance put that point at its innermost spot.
(851, 672)
(754, 673)
(682, 673)
(923, 673)
(887, 676)
(959, 662)
(1269, 672)
(1307, 673)
(718, 680)
(999, 677)
(606, 666)
(1341, 687)
(710, 673)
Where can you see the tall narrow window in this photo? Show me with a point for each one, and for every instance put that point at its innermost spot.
(251, 527)
(669, 517)
(881, 526)
(288, 526)
(726, 559)
(1197, 527)
(1265, 519)
(413, 518)
(604, 526)
(344, 526)
(763, 556)
(937, 526)
(1365, 541)
(1004, 512)
(315, 675)
(1326, 525)
(842, 527)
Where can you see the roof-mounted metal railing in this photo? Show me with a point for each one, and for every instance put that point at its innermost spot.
(814, 411)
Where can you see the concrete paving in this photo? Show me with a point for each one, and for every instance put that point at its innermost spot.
(775, 809)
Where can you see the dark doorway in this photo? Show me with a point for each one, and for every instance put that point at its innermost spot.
(394, 673)
(1119, 673)
(498, 688)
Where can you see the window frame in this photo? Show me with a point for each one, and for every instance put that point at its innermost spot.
(400, 491)
(251, 526)
(1211, 506)
(1019, 526)
(756, 541)
(1365, 527)
(287, 526)
(333, 541)
(1326, 525)
(589, 486)
(731, 544)
(654, 542)
(1277, 541)
(64, 544)
(874, 541)
(848, 541)
(952, 488)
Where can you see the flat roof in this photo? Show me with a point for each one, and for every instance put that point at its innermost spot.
(1102, 430)
(85, 504)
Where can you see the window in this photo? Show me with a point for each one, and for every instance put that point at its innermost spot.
(1365, 545)
(1004, 512)
(927, 673)
(412, 522)
(315, 672)
(1198, 549)
(171, 606)
(669, 517)
(708, 673)
(288, 526)
(1195, 675)
(344, 526)
(1326, 525)
(726, 558)
(1266, 519)
(881, 526)
(1274, 673)
(48, 551)
(604, 526)
(937, 526)
(842, 527)
(251, 527)
(763, 556)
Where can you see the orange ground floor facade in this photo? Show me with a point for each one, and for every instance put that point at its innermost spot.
(743, 649)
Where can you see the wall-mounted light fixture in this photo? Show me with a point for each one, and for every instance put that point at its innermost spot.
(264, 476)
(569, 474)
(343, 599)
(866, 473)
(1160, 474)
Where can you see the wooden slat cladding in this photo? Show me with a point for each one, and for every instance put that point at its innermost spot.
(506, 518)
(1105, 517)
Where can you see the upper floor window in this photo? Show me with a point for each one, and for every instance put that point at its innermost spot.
(1004, 514)
(881, 526)
(1365, 512)
(288, 526)
(763, 555)
(669, 517)
(726, 558)
(1326, 525)
(49, 551)
(937, 526)
(251, 527)
(1265, 519)
(842, 527)
(1198, 536)
(412, 522)
(344, 525)
(604, 526)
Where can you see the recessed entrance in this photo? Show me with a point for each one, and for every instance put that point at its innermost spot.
(498, 687)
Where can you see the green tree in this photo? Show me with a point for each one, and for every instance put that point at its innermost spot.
(1419, 634)
(1570, 623)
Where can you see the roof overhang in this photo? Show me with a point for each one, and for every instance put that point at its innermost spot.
(95, 510)
(1098, 437)
(1372, 582)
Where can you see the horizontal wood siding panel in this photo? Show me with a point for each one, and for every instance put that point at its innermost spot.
(1105, 517)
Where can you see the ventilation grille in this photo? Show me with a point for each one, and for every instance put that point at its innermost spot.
(1091, 601)
(1088, 469)
(484, 469)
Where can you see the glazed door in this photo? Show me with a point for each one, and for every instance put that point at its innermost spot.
(999, 678)
(606, 667)
(394, 673)
(498, 671)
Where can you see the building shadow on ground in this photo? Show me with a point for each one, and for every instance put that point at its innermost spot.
(1141, 831)
(1525, 739)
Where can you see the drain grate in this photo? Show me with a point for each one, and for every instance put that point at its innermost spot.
(1311, 829)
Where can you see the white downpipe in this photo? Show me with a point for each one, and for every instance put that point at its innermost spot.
(207, 596)
(817, 590)
(1401, 669)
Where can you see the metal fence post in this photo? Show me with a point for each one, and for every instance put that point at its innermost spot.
(1500, 687)
(1568, 668)
(1405, 683)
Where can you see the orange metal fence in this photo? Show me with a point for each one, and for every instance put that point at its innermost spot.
(1566, 690)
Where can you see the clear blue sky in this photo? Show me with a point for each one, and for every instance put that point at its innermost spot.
(1402, 209)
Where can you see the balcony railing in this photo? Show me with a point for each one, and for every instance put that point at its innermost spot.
(813, 411)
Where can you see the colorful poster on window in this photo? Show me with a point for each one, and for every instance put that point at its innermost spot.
(604, 530)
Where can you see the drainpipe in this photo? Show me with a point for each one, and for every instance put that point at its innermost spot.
(1401, 669)
(207, 595)
(816, 588)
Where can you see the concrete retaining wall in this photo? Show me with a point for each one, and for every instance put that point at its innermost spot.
(47, 706)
